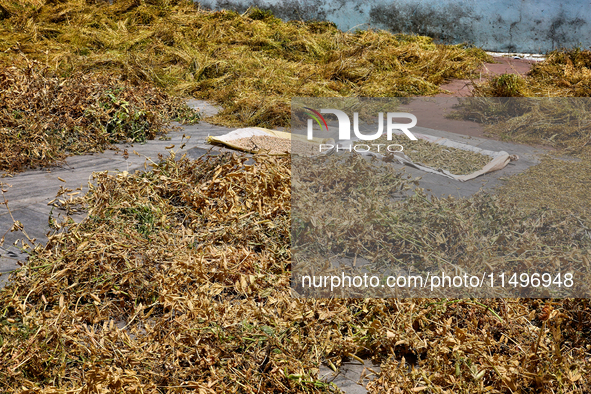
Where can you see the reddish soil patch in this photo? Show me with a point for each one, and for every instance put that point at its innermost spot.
(503, 65)
(431, 114)
(457, 88)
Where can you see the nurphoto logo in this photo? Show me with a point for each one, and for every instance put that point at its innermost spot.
(344, 126)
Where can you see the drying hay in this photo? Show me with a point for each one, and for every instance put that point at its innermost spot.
(561, 180)
(558, 184)
(179, 279)
(344, 208)
(564, 73)
(457, 161)
(45, 118)
(560, 122)
(557, 122)
(250, 64)
(275, 145)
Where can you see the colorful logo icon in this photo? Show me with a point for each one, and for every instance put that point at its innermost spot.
(315, 116)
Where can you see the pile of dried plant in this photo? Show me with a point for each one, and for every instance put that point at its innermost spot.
(454, 160)
(45, 118)
(564, 73)
(250, 64)
(346, 207)
(179, 279)
(557, 121)
(465, 350)
(557, 184)
(560, 181)
(560, 122)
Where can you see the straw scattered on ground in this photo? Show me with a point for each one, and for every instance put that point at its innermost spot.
(346, 207)
(554, 121)
(179, 279)
(563, 123)
(555, 184)
(564, 73)
(457, 161)
(550, 106)
(250, 64)
(45, 118)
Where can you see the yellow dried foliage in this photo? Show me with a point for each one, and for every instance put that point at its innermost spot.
(250, 64)
(45, 118)
(179, 279)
